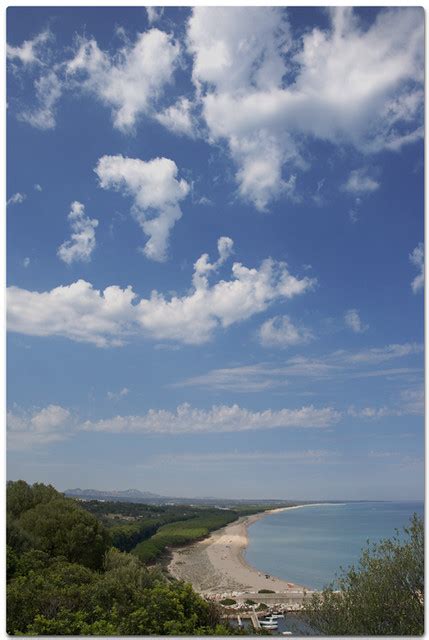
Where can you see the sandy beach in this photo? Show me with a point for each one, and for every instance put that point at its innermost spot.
(216, 565)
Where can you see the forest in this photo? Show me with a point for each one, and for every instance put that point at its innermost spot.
(83, 568)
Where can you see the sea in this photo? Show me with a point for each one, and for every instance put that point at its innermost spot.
(309, 545)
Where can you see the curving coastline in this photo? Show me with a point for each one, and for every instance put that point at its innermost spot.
(217, 565)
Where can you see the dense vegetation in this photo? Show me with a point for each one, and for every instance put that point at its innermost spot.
(182, 532)
(384, 595)
(147, 530)
(64, 578)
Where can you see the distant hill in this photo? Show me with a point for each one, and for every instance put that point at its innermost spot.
(128, 495)
(137, 496)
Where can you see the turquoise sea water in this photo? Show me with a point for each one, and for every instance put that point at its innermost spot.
(308, 545)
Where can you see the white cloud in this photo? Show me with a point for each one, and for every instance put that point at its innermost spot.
(218, 419)
(82, 313)
(131, 81)
(48, 91)
(359, 182)
(82, 243)
(343, 364)
(346, 84)
(28, 52)
(281, 332)
(154, 14)
(156, 192)
(26, 262)
(227, 457)
(17, 198)
(417, 258)
(353, 321)
(37, 187)
(378, 355)
(28, 429)
(112, 395)
(77, 312)
(409, 402)
(203, 267)
(413, 400)
(178, 118)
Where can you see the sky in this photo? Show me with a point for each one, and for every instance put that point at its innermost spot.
(215, 250)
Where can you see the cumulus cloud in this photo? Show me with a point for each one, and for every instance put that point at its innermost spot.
(417, 258)
(48, 89)
(203, 267)
(359, 182)
(130, 81)
(82, 243)
(26, 262)
(281, 332)
(28, 429)
(37, 187)
(218, 419)
(156, 192)
(82, 313)
(17, 198)
(178, 118)
(346, 84)
(353, 321)
(77, 312)
(28, 53)
(154, 14)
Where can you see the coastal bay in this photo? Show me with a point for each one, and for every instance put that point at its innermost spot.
(217, 565)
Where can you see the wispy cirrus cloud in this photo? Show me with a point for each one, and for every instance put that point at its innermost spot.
(281, 332)
(360, 182)
(307, 456)
(353, 321)
(417, 258)
(350, 364)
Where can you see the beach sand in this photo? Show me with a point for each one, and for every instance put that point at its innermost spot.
(216, 565)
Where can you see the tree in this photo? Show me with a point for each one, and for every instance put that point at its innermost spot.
(384, 595)
(61, 528)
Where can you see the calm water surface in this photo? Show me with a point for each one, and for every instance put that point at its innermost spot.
(308, 545)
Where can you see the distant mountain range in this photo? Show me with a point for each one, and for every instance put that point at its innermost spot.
(135, 495)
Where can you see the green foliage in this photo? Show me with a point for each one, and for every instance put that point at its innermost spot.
(21, 497)
(62, 579)
(61, 528)
(226, 602)
(126, 536)
(262, 607)
(384, 595)
(266, 591)
(183, 532)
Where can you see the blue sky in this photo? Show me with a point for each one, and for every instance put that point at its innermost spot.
(215, 258)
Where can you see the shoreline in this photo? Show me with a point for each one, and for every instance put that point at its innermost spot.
(217, 566)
